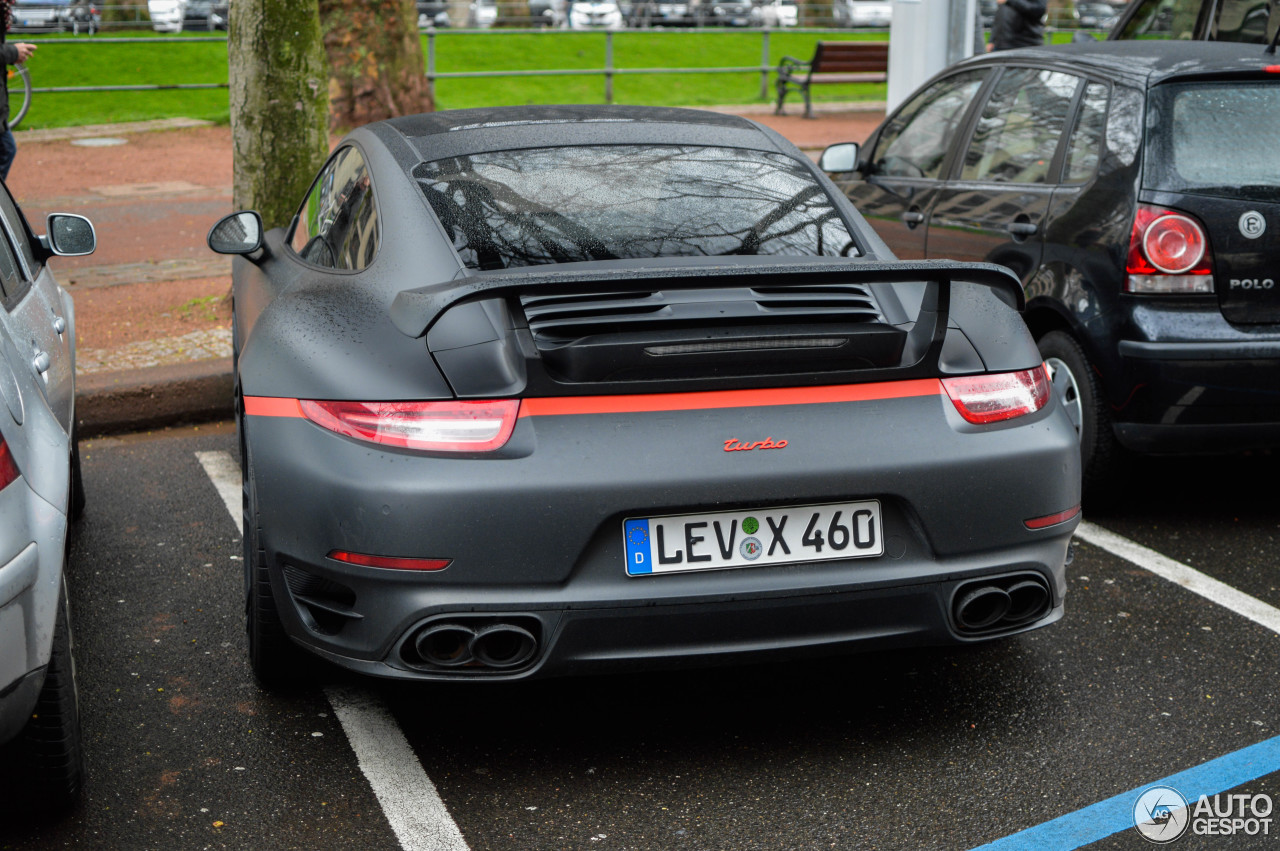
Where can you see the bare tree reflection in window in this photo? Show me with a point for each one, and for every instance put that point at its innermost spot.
(559, 205)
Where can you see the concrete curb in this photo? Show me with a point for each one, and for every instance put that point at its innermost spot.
(153, 397)
(91, 131)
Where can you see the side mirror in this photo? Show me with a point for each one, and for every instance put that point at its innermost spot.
(238, 233)
(70, 235)
(1082, 36)
(839, 159)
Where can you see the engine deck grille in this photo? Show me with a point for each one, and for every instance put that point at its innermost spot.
(567, 317)
(721, 331)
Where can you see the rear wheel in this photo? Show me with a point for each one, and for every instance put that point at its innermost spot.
(276, 661)
(47, 755)
(1078, 388)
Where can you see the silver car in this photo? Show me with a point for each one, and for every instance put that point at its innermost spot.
(39, 494)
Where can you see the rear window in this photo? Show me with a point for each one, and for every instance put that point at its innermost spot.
(1215, 139)
(562, 205)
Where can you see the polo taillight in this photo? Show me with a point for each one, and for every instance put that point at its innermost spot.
(983, 399)
(9, 471)
(1168, 254)
(453, 426)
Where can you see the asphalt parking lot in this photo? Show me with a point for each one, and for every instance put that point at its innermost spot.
(1147, 681)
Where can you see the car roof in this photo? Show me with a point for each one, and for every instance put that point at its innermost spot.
(461, 132)
(1147, 62)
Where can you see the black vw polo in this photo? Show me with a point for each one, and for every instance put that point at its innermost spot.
(1134, 187)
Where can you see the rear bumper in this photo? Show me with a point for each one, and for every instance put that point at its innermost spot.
(535, 531)
(1197, 383)
(575, 641)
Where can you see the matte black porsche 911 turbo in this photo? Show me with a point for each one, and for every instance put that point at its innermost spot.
(541, 391)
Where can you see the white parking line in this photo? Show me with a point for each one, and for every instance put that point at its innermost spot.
(224, 472)
(408, 798)
(1180, 574)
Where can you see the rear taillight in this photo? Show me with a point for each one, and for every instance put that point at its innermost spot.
(1168, 254)
(9, 471)
(984, 399)
(454, 426)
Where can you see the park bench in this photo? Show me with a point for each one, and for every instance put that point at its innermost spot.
(832, 62)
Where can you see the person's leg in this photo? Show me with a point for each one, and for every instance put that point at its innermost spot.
(8, 150)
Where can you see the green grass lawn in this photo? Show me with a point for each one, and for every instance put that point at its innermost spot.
(100, 62)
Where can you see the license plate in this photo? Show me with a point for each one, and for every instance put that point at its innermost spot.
(731, 539)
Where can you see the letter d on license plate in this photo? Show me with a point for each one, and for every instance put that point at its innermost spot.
(730, 539)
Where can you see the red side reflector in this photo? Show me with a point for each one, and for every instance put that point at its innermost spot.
(1272, 69)
(390, 562)
(1052, 519)
(9, 471)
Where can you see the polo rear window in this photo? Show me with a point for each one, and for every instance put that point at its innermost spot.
(1215, 139)
(506, 209)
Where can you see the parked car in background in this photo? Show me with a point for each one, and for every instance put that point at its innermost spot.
(167, 15)
(654, 395)
(75, 16)
(433, 13)
(553, 14)
(1253, 21)
(776, 13)
(1133, 187)
(654, 13)
(482, 14)
(862, 13)
(1096, 16)
(206, 15)
(40, 493)
(722, 13)
(594, 15)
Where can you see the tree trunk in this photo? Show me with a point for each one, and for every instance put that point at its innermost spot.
(375, 61)
(279, 104)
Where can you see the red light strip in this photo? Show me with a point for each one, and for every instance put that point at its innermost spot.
(268, 406)
(570, 405)
(1052, 519)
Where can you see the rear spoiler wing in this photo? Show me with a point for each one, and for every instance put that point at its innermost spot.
(414, 311)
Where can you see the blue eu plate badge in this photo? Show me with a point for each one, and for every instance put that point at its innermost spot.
(639, 558)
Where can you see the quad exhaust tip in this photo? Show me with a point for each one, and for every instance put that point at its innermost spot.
(994, 605)
(480, 644)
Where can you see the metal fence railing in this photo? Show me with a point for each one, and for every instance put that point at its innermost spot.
(608, 71)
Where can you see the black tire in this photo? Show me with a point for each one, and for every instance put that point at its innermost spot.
(46, 761)
(277, 662)
(1078, 388)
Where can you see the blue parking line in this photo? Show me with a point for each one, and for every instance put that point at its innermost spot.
(1100, 820)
